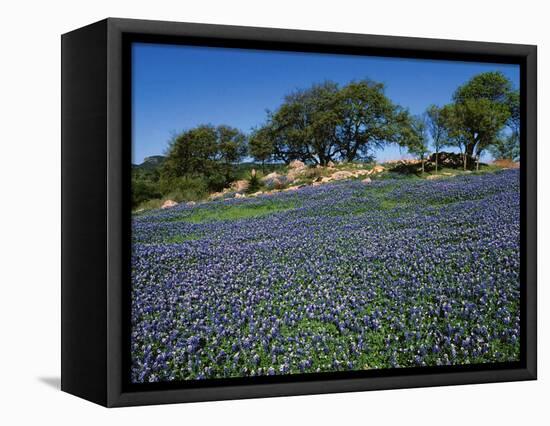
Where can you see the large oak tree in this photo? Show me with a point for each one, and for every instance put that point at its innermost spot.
(327, 122)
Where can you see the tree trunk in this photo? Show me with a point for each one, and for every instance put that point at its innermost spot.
(465, 161)
(436, 158)
(422, 160)
(477, 164)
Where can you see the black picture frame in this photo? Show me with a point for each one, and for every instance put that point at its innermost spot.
(96, 144)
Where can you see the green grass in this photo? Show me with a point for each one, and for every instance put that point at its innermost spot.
(390, 204)
(234, 212)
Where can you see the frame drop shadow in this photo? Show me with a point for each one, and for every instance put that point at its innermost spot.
(51, 381)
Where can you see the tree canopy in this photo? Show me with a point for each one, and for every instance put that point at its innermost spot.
(481, 109)
(327, 122)
(416, 139)
(205, 151)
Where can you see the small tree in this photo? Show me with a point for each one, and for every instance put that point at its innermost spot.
(260, 145)
(416, 139)
(231, 147)
(482, 108)
(437, 129)
(472, 125)
(204, 152)
(193, 152)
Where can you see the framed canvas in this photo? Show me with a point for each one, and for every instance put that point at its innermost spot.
(256, 212)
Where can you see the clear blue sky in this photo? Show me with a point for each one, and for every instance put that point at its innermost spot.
(179, 87)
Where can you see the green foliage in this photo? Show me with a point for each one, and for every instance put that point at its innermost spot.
(481, 109)
(367, 119)
(435, 122)
(191, 152)
(231, 148)
(144, 184)
(143, 190)
(492, 86)
(254, 183)
(206, 152)
(185, 188)
(235, 212)
(436, 127)
(327, 122)
(513, 103)
(476, 123)
(154, 203)
(260, 145)
(506, 147)
(416, 137)
(148, 195)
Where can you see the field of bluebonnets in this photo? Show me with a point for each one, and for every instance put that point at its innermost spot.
(344, 276)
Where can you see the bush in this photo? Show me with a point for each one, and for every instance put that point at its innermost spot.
(143, 190)
(185, 188)
(254, 184)
(216, 182)
(315, 173)
(150, 204)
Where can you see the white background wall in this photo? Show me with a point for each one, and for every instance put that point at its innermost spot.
(30, 211)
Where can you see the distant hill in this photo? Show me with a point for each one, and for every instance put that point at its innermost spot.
(150, 163)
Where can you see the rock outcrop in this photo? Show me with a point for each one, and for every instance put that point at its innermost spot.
(240, 185)
(168, 203)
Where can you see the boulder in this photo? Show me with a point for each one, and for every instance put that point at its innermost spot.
(190, 203)
(239, 195)
(343, 174)
(275, 180)
(168, 203)
(434, 177)
(367, 180)
(330, 164)
(294, 173)
(239, 185)
(272, 175)
(297, 164)
(452, 160)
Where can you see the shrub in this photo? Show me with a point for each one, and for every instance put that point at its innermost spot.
(315, 173)
(254, 184)
(143, 190)
(216, 181)
(150, 204)
(185, 188)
